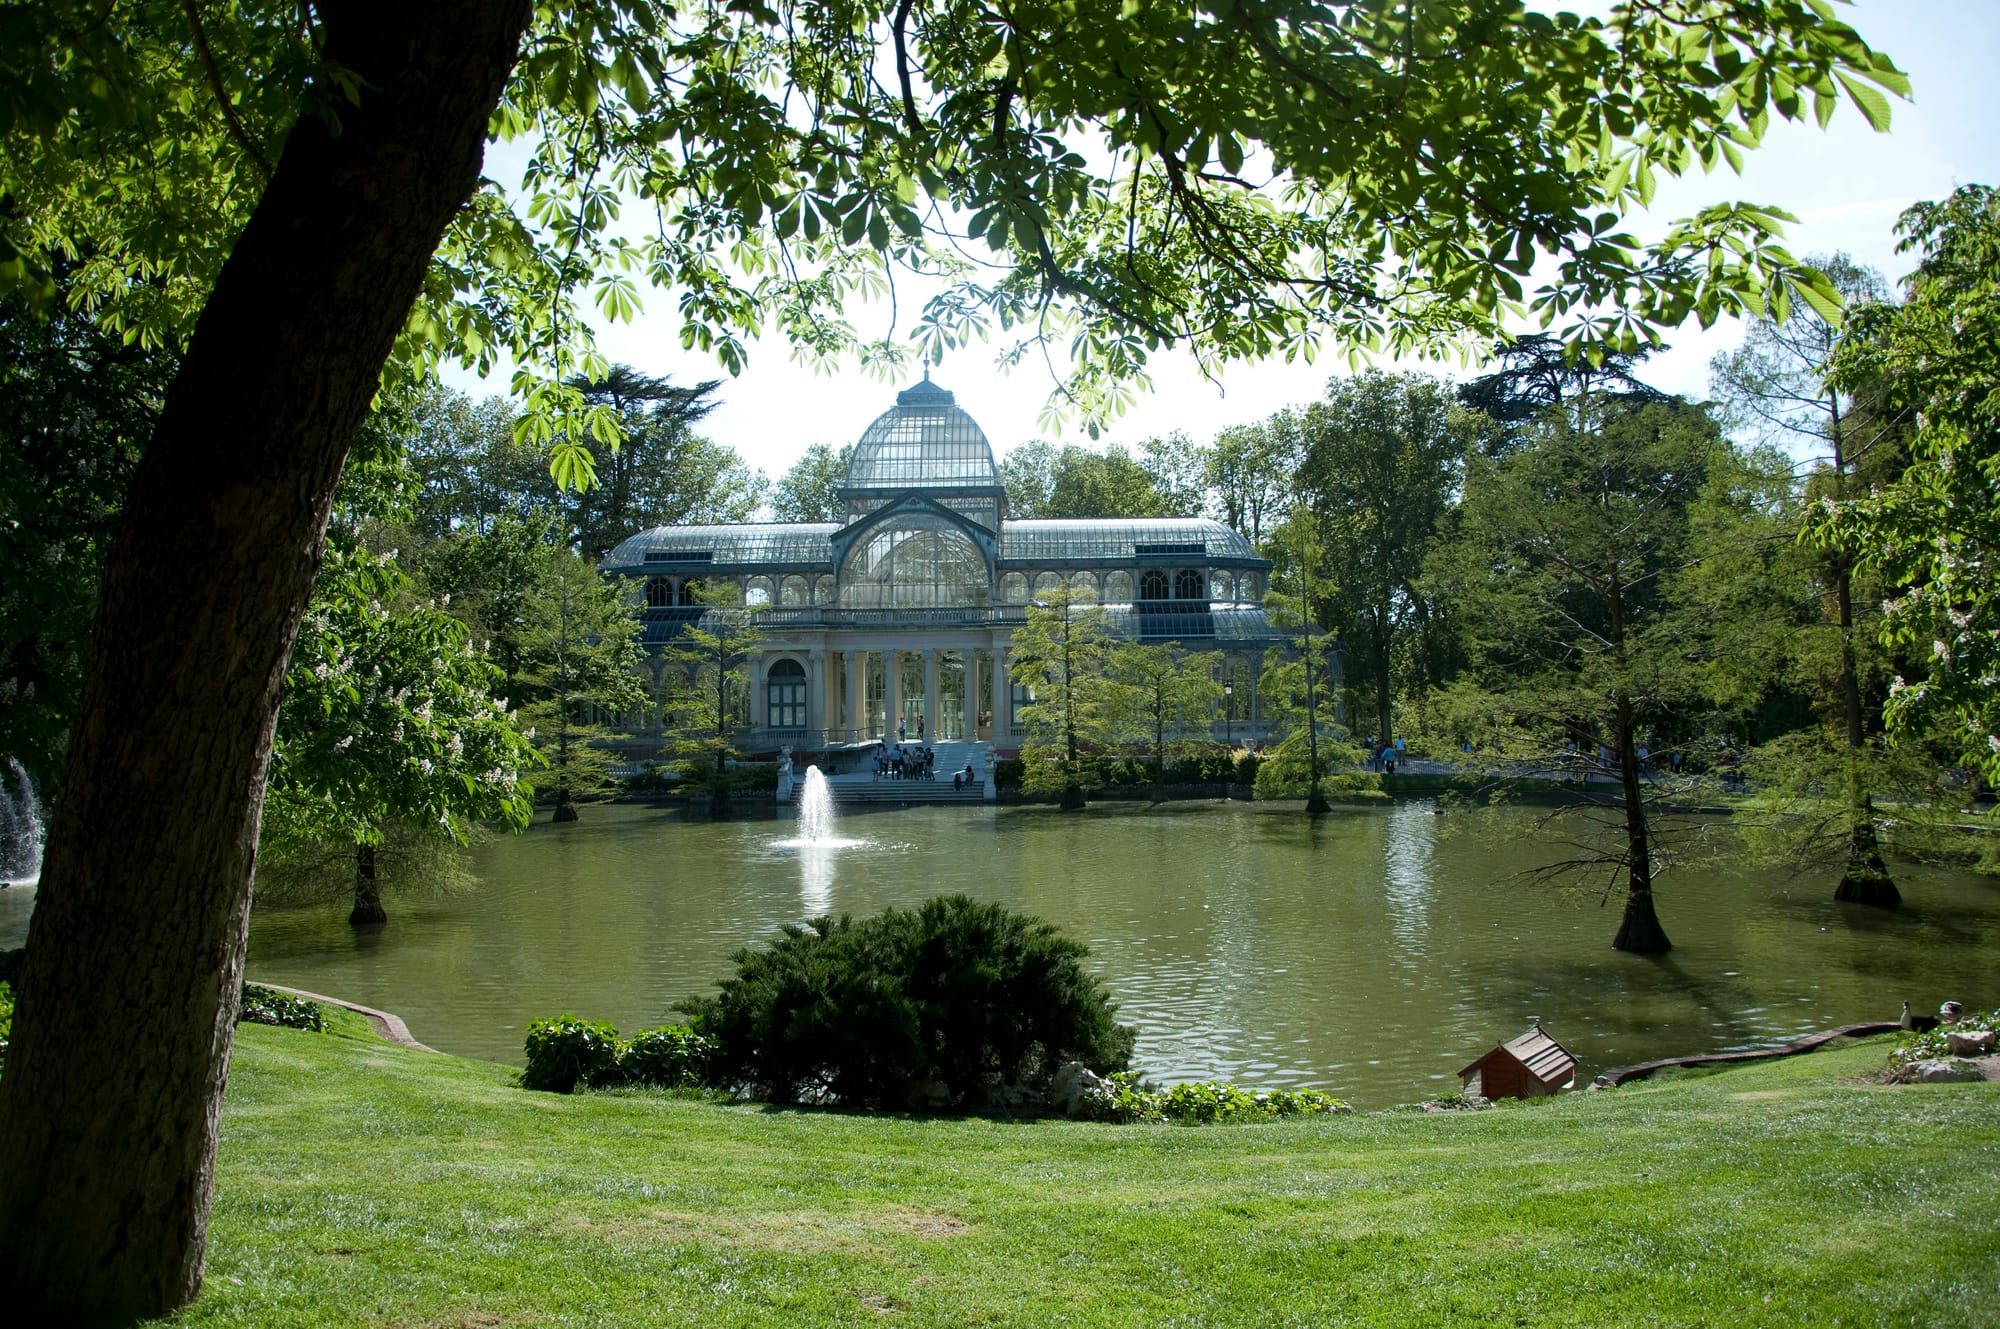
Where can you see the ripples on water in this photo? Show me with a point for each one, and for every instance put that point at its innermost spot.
(1372, 953)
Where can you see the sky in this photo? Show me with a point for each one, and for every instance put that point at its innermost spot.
(1846, 184)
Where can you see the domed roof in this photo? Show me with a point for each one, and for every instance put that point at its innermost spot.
(924, 442)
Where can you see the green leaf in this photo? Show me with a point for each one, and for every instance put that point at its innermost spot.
(1872, 103)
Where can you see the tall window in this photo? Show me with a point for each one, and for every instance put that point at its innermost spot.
(690, 590)
(1152, 584)
(1187, 584)
(785, 695)
(659, 591)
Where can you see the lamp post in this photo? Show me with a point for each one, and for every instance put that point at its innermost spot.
(1229, 714)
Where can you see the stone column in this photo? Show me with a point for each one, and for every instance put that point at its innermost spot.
(816, 688)
(857, 690)
(1003, 694)
(968, 694)
(931, 728)
(753, 671)
(892, 688)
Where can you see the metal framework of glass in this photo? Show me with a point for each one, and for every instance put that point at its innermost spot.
(916, 561)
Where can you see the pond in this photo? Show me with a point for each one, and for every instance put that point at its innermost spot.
(1372, 954)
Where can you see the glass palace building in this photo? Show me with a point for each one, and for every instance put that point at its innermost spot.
(901, 615)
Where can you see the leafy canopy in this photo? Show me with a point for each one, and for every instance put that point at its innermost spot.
(1935, 533)
(1087, 182)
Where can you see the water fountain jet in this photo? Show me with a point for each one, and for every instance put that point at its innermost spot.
(816, 808)
(21, 830)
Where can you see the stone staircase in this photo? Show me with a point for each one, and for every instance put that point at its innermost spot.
(850, 790)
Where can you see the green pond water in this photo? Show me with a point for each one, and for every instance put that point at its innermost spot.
(1372, 954)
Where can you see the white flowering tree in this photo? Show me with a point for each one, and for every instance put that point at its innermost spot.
(388, 716)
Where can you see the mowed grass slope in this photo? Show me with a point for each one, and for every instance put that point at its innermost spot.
(367, 1184)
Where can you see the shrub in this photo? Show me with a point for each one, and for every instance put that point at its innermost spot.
(1128, 1098)
(6, 1018)
(1246, 768)
(674, 1057)
(1009, 773)
(263, 1006)
(938, 1006)
(1211, 764)
(566, 1052)
(698, 777)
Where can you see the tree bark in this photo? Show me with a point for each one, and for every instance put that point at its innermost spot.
(109, 1105)
(1639, 931)
(1865, 878)
(367, 891)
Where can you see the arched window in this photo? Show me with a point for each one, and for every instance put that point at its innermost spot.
(1221, 587)
(690, 593)
(1083, 586)
(1014, 588)
(659, 591)
(1187, 584)
(915, 561)
(1117, 588)
(823, 591)
(785, 696)
(1046, 583)
(1246, 588)
(792, 592)
(757, 591)
(1153, 584)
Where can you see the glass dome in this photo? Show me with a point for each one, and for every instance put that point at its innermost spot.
(924, 442)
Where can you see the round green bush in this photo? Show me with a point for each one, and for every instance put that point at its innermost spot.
(936, 1007)
(567, 1051)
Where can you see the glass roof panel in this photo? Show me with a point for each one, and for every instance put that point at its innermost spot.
(664, 548)
(1115, 538)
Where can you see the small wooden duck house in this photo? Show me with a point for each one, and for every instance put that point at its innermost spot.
(1531, 1066)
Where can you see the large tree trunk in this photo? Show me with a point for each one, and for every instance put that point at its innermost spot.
(1865, 878)
(1639, 930)
(718, 796)
(120, 1048)
(367, 890)
(1385, 692)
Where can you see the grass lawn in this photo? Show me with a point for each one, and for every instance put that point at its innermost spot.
(365, 1184)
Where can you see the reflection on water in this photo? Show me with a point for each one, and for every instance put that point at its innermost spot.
(1373, 953)
(816, 876)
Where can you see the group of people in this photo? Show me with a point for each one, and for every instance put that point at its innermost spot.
(903, 763)
(1384, 755)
